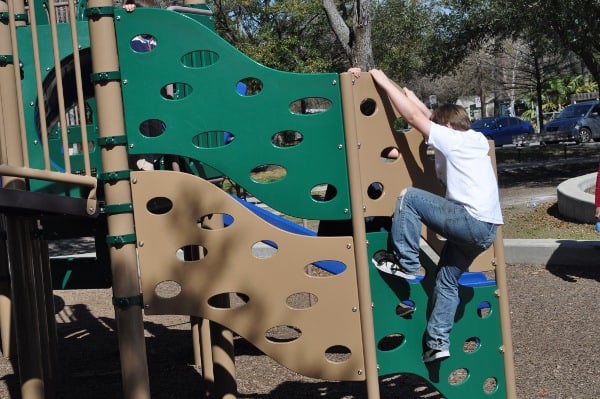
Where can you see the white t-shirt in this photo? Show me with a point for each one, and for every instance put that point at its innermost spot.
(463, 164)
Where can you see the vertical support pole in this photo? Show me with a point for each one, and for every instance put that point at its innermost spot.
(130, 326)
(360, 245)
(507, 345)
(502, 284)
(22, 257)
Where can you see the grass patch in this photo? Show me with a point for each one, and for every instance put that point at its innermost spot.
(543, 221)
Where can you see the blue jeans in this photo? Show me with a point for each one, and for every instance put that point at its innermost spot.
(466, 237)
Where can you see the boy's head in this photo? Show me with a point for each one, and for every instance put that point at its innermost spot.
(452, 114)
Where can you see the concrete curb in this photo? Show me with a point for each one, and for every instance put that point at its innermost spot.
(552, 252)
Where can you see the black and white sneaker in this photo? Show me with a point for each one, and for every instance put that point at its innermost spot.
(431, 355)
(387, 263)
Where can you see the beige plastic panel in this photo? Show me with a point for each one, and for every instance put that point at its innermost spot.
(414, 168)
(229, 266)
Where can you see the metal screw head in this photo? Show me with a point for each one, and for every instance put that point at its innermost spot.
(141, 244)
(334, 82)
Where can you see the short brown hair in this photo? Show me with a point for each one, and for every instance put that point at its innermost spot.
(453, 114)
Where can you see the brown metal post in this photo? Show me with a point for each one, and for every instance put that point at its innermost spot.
(21, 257)
(126, 286)
(360, 249)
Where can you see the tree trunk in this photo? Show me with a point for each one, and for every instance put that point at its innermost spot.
(355, 40)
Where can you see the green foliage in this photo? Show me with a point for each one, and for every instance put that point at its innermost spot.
(289, 35)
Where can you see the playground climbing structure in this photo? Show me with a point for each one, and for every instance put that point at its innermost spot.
(171, 241)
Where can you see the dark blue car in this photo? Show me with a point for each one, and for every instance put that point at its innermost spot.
(504, 129)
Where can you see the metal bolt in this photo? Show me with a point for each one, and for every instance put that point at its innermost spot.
(354, 309)
(134, 180)
(31, 104)
(118, 18)
(124, 81)
(346, 210)
(334, 82)
(35, 142)
(348, 246)
(131, 145)
(340, 146)
(359, 372)
(141, 244)
(497, 294)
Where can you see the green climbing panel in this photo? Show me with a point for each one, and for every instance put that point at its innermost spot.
(244, 109)
(476, 366)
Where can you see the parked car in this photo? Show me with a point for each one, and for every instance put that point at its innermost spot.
(578, 122)
(505, 130)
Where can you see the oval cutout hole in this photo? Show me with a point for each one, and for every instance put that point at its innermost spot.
(375, 190)
(484, 309)
(458, 376)
(287, 138)
(323, 192)
(282, 334)
(268, 174)
(368, 107)
(212, 139)
(325, 268)
(310, 106)
(167, 289)
(264, 249)
(199, 58)
(389, 154)
(215, 221)
(176, 91)
(249, 86)
(490, 385)
(143, 43)
(228, 300)
(302, 300)
(471, 345)
(159, 205)
(390, 342)
(190, 253)
(338, 353)
(152, 127)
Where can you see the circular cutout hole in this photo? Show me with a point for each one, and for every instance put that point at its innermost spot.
(390, 342)
(490, 385)
(159, 205)
(484, 309)
(282, 334)
(286, 138)
(310, 106)
(212, 139)
(302, 300)
(268, 173)
(143, 43)
(368, 107)
(199, 59)
(167, 289)
(264, 249)
(458, 376)
(471, 345)
(152, 127)
(325, 268)
(176, 91)
(338, 353)
(228, 300)
(323, 192)
(249, 86)
(375, 190)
